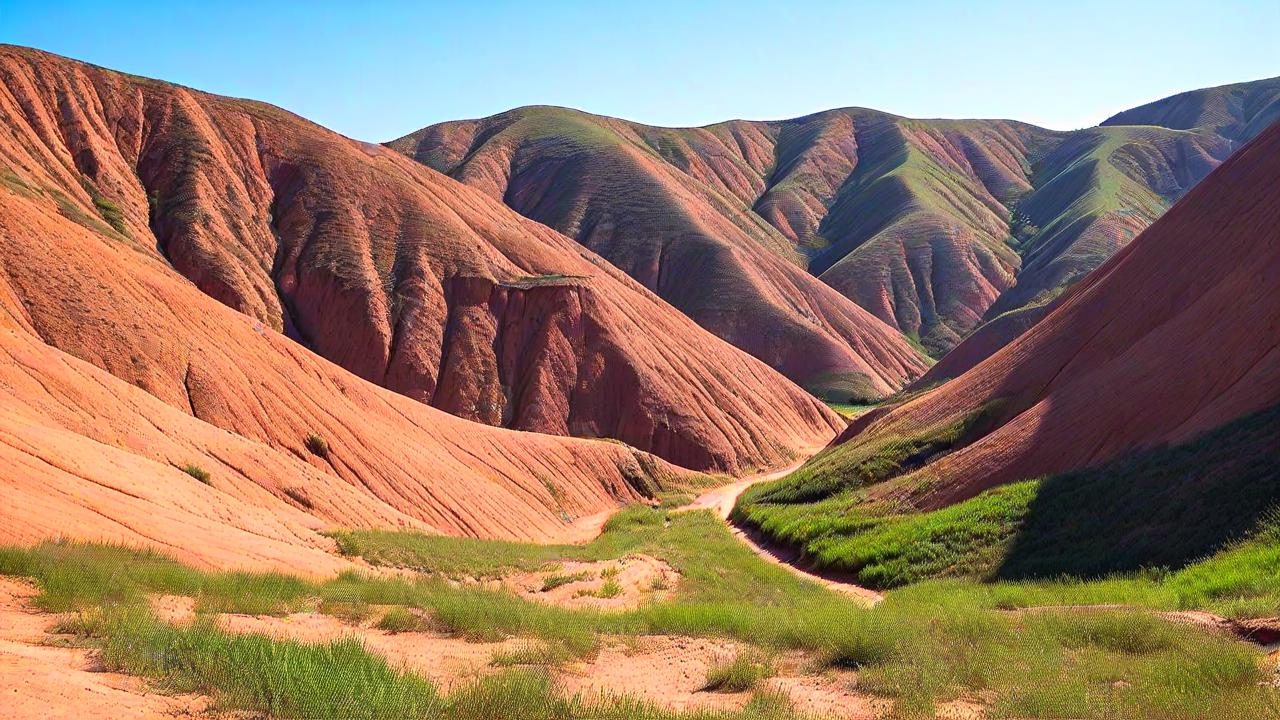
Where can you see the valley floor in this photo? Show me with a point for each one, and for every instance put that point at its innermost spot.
(665, 615)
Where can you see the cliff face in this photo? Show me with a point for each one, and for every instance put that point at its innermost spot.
(400, 275)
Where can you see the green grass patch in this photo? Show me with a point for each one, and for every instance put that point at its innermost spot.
(1217, 494)
(850, 410)
(853, 465)
(744, 671)
(254, 673)
(671, 500)
(196, 472)
(551, 582)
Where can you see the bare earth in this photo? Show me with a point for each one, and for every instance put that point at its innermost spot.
(721, 500)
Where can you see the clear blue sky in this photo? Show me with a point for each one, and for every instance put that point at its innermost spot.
(378, 70)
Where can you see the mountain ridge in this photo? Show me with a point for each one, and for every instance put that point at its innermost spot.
(934, 226)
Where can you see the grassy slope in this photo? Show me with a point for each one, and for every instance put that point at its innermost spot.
(1196, 499)
(901, 207)
(1093, 194)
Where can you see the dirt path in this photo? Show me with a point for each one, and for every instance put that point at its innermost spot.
(721, 500)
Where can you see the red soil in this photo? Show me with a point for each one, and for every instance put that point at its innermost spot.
(117, 371)
(683, 230)
(44, 682)
(400, 275)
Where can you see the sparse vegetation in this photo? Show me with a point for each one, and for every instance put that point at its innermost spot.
(530, 281)
(926, 643)
(196, 472)
(742, 672)
(609, 589)
(111, 213)
(551, 582)
(317, 446)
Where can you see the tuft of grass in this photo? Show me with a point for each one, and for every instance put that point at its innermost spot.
(399, 620)
(196, 472)
(742, 672)
(532, 653)
(254, 673)
(111, 213)
(551, 582)
(317, 446)
(610, 589)
(354, 613)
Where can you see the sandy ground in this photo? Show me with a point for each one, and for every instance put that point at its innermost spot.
(39, 681)
(721, 500)
(636, 579)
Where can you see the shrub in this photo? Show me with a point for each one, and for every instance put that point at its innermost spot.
(610, 589)
(559, 580)
(317, 446)
(196, 472)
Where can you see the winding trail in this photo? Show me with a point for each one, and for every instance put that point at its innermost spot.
(720, 500)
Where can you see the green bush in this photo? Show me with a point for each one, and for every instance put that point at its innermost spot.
(317, 446)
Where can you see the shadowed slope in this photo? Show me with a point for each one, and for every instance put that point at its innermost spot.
(671, 209)
(404, 277)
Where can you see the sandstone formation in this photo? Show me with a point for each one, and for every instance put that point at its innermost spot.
(673, 210)
(400, 275)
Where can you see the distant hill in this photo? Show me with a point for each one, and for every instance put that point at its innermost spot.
(933, 226)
